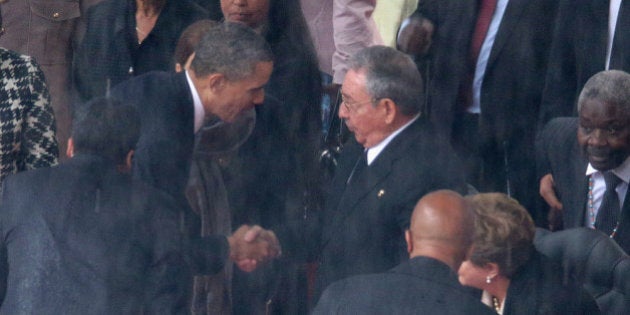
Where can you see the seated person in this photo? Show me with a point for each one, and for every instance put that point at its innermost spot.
(513, 276)
(587, 160)
(438, 240)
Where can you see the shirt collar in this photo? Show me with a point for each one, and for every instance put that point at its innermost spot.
(374, 151)
(200, 113)
(622, 171)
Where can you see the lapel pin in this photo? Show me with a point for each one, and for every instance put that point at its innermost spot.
(381, 193)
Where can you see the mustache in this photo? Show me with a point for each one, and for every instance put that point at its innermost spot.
(598, 151)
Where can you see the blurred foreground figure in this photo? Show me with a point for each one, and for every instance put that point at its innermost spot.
(514, 277)
(438, 241)
(27, 126)
(83, 237)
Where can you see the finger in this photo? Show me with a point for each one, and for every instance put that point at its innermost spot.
(247, 265)
(253, 233)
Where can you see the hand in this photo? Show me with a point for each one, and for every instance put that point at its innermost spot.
(548, 193)
(415, 36)
(250, 246)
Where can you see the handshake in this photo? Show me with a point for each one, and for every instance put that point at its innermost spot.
(253, 245)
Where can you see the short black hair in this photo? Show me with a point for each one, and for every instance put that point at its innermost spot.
(107, 128)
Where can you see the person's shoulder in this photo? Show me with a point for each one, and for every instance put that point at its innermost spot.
(11, 60)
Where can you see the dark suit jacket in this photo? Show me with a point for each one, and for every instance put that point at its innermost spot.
(512, 84)
(421, 285)
(560, 155)
(164, 151)
(361, 229)
(110, 47)
(539, 288)
(578, 52)
(82, 238)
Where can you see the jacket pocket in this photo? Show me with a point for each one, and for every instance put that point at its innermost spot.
(52, 29)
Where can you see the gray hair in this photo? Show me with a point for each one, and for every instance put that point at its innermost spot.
(611, 86)
(231, 49)
(390, 74)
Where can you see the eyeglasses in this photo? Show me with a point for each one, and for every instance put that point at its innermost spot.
(351, 107)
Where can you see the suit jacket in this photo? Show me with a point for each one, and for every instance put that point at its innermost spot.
(93, 241)
(361, 229)
(110, 48)
(578, 52)
(560, 154)
(509, 102)
(27, 128)
(421, 285)
(539, 288)
(164, 152)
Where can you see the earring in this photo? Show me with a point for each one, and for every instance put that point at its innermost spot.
(488, 279)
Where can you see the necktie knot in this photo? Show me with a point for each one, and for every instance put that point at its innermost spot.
(612, 181)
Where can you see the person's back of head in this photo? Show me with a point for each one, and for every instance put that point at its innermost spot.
(441, 227)
(106, 128)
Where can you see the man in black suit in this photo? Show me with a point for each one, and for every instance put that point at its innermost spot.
(83, 237)
(227, 75)
(395, 158)
(590, 36)
(591, 171)
(486, 63)
(438, 240)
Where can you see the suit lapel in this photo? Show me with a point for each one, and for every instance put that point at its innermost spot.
(368, 181)
(579, 173)
(510, 20)
(623, 231)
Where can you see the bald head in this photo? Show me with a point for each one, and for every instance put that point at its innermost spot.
(441, 227)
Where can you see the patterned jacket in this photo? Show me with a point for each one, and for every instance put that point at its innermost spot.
(27, 123)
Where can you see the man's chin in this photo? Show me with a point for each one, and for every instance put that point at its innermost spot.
(602, 163)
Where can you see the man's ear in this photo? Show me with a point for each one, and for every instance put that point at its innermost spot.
(125, 167)
(390, 109)
(409, 241)
(70, 149)
(216, 82)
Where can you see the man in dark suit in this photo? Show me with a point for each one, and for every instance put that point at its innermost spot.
(590, 36)
(395, 158)
(84, 237)
(438, 241)
(227, 75)
(591, 171)
(487, 60)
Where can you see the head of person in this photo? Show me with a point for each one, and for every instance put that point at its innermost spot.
(230, 68)
(440, 228)
(106, 128)
(502, 243)
(604, 119)
(381, 92)
(188, 41)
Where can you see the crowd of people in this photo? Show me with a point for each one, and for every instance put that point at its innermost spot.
(193, 179)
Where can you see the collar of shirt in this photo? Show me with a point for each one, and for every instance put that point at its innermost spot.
(200, 113)
(622, 171)
(374, 151)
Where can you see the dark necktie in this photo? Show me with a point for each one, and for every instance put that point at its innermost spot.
(359, 166)
(608, 213)
(621, 41)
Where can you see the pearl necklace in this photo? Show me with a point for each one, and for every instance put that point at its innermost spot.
(591, 208)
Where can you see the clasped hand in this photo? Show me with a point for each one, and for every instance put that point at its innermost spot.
(253, 245)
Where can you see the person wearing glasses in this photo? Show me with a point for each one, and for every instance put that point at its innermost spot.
(395, 158)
